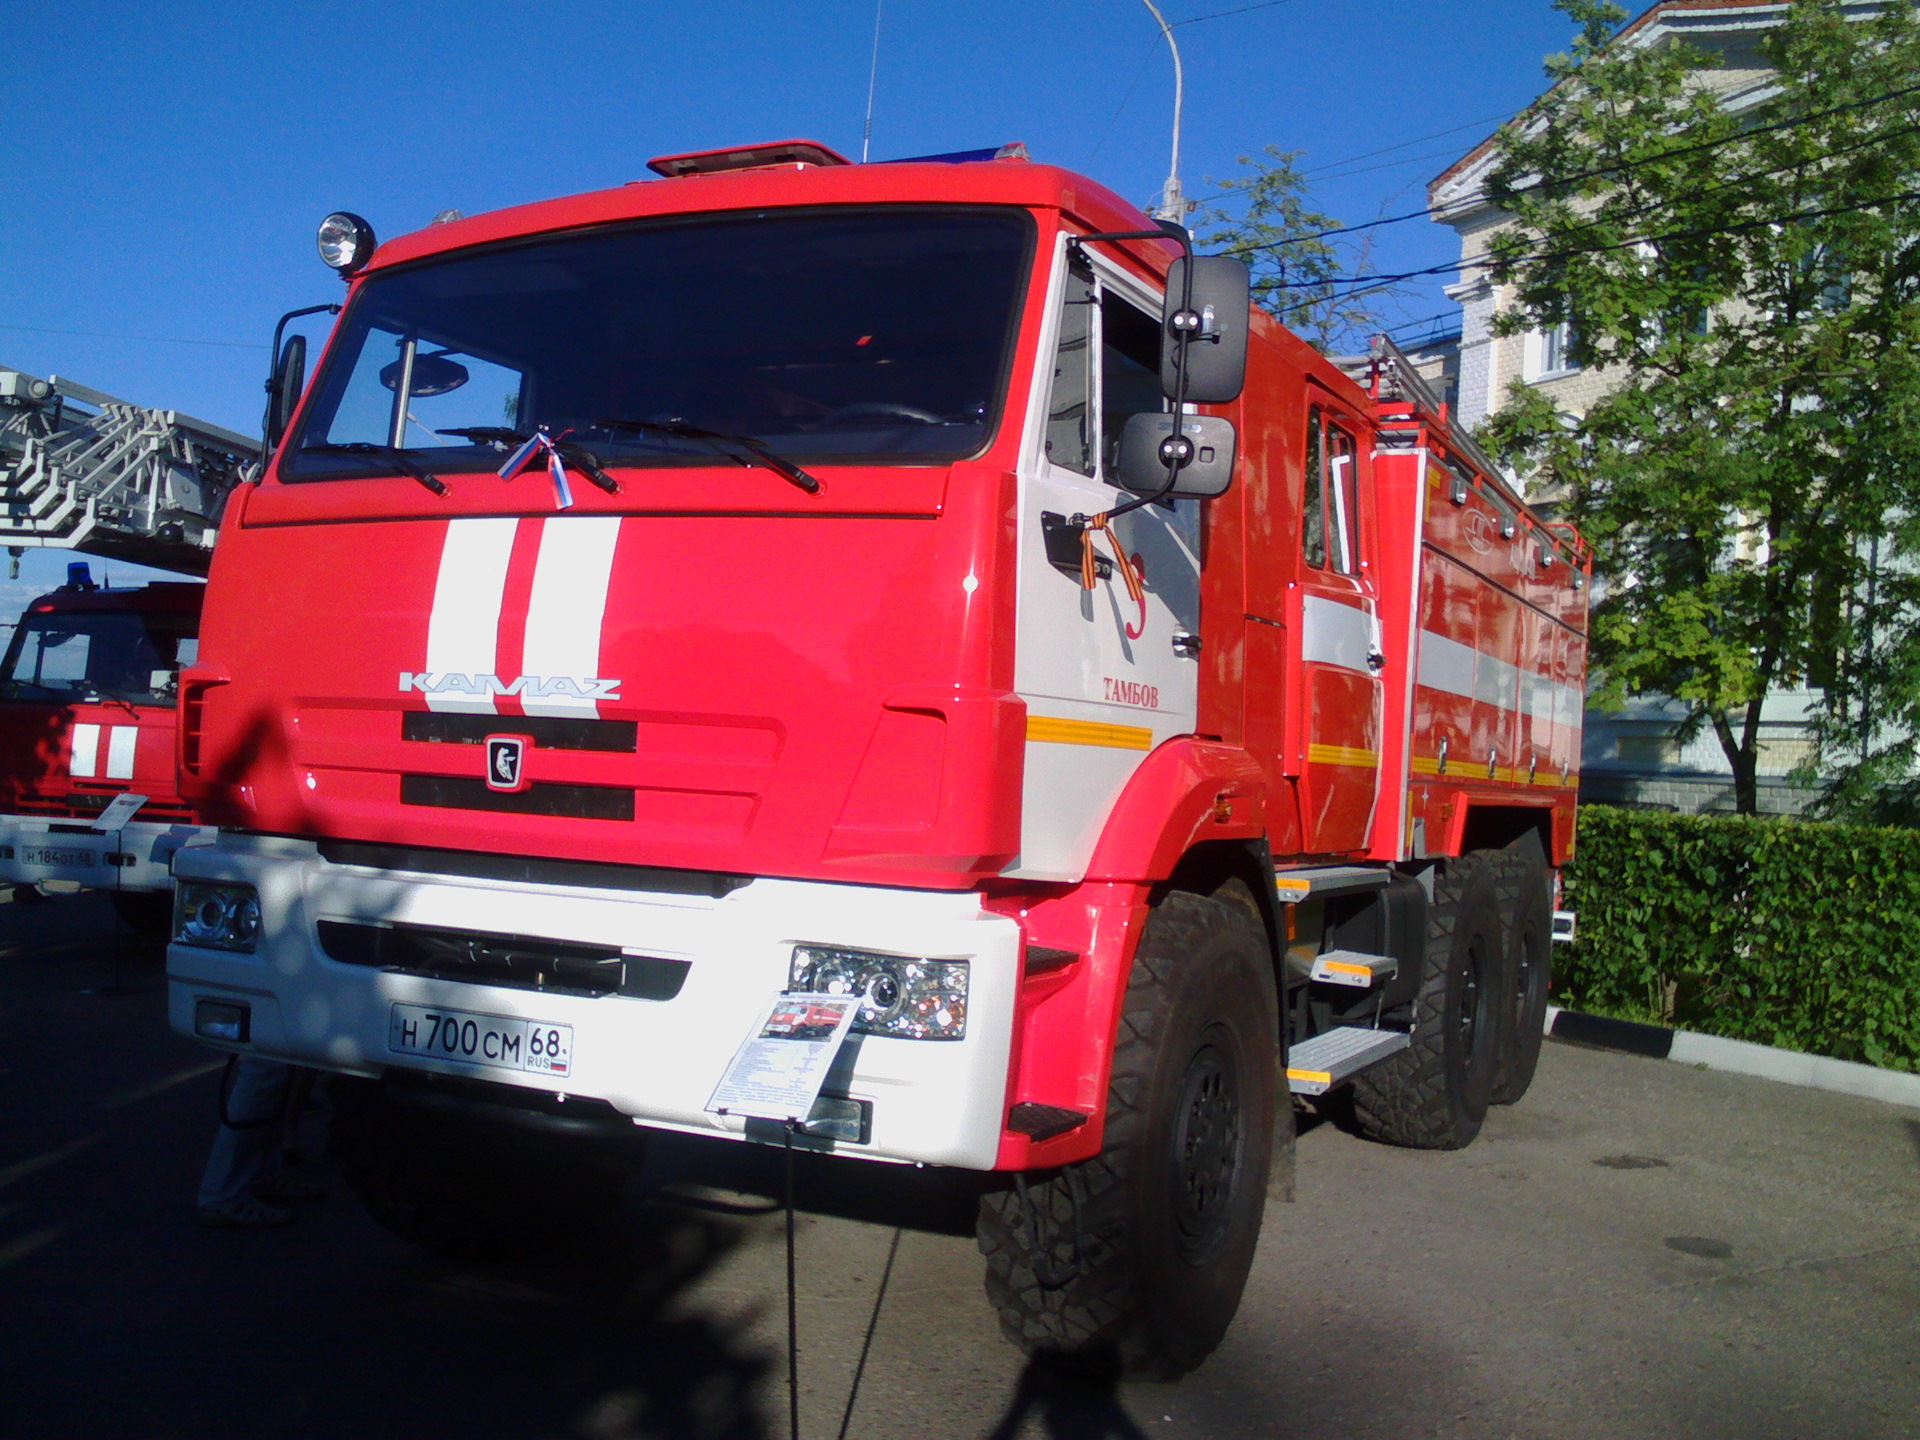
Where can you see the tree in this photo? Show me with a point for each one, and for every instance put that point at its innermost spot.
(1749, 285)
(1299, 274)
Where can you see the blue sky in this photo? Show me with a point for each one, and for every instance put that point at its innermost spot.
(166, 163)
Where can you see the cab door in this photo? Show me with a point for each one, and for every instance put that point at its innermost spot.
(1106, 676)
(1334, 630)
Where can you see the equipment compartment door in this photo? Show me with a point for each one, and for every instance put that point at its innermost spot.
(1334, 631)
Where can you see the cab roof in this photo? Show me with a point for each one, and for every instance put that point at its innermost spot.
(1087, 203)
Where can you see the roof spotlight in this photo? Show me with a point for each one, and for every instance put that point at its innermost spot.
(346, 242)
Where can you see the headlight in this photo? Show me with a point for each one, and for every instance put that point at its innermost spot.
(216, 917)
(907, 999)
(346, 241)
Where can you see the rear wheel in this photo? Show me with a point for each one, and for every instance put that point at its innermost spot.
(465, 1189)
(1526, 900)
(1139, 1255)
(1434, 1094)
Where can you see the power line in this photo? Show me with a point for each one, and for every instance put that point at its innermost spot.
(1223, 14)
(1700, 232)
(1627, 166)
(1499, 119)
(143, 339)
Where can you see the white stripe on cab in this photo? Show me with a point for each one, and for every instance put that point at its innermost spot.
(84, 759)
(565, 611)
(463, 634)
(121, 740)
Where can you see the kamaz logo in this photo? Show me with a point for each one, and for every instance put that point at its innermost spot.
(528, 687)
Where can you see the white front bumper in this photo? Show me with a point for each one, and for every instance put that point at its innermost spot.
(134, 857)
(938, 1102)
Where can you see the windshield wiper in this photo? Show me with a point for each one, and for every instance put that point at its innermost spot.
(578, 456)
(402, 461)
(757, 451)
(101, 692)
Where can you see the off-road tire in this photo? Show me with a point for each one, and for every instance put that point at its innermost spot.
(471, 1191)
(1136, 1258)
(1434, 1094)
(1526, 904)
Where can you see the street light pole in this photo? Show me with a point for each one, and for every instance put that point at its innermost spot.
(1173, 205)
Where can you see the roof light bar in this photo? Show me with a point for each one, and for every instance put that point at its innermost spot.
(1012, 150)
(747, 157)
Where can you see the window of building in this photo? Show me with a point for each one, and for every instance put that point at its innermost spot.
(1549, 353)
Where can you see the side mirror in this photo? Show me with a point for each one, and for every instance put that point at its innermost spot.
(1205, 470)
(283, 391)
(1216, 325)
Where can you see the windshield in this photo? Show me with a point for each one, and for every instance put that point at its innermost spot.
(113, 655)
(822, 334)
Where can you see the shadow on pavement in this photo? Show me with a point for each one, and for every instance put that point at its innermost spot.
(1081, 1403)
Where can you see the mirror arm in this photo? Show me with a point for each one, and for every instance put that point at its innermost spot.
(1166, 230)
(273, 374)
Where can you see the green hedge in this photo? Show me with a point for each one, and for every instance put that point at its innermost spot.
(1784, 932)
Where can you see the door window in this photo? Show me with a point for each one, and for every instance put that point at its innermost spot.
(1330, 508)
(1106, 368)
(1343, 500)
(1070, 408)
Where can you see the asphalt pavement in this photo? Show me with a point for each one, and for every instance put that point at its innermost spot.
(1638, 1249)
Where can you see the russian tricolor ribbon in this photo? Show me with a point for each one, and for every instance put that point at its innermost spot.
(556, 467)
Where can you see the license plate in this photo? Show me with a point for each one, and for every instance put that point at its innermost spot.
(47, 855)
(499, 1041)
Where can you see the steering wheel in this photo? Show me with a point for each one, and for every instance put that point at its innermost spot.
(880, 410)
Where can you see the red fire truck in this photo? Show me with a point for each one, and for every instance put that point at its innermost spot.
(87, 692)
(902, 588)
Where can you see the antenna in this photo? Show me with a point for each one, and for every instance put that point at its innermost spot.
(1172, 205)
(873, 72)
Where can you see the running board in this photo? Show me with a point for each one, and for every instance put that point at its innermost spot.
(1315, 1066)
(1354, 968)
(1311, 882)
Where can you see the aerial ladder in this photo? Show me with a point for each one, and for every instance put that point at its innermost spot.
(84, 470)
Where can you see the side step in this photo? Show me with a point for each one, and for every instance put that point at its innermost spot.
(1354, 968)
(1315, 1066)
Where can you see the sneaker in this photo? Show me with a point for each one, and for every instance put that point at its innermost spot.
(246, 1213)
(288, 1185)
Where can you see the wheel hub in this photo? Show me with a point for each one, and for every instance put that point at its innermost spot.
(1206, 1148)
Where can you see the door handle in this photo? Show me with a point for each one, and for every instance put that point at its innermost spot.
(1376, 661)
(1186, 646)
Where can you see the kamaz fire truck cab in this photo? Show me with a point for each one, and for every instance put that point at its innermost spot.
(87, 691)
(804, 646)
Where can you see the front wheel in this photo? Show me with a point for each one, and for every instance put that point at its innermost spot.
(1139, 1255)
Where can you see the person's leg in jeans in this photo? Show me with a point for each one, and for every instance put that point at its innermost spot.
(243, 1150)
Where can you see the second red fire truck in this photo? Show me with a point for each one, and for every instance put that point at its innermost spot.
(87, 701)
(919, 581)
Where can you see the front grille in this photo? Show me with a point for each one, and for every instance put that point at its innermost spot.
(575, 802)
(531, 870)
(517, 961)
(617, 737)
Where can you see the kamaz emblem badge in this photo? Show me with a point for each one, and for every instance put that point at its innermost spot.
(507, 763)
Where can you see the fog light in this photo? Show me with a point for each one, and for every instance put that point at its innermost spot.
(909, 999)
(836, 1118)
(346, 241)
(219, 1020)
(216, 917)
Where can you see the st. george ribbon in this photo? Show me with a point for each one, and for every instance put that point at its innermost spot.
(556, 467)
